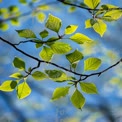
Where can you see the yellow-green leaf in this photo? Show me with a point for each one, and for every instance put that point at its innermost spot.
(17, 75)
(41, 17)
(92, 3)
(89, 88)
(23, 90)
(46, 53)
(71, 29)
(8, 86)
(43, 33)
(4, 26)
(92, 64)
(100, 27)
(53, 23)
(60, 47)
(37, 75)
(78, 99)
(60, 92)
(80, 38)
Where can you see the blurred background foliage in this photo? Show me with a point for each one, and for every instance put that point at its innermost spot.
(31, 14)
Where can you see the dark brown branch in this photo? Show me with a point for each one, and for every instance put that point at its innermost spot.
(58, 66)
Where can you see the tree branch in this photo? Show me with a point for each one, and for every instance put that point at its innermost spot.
(58, 66)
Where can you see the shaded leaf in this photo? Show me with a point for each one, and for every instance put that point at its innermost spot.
(89, 88)
(92, 64)
(37, 75)
(23, 1)
(60, 92)
(78, 99)
(44, 33)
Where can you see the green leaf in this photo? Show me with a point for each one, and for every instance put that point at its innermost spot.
(15, 22)
(53, 23)
(23, 1)
(37, 75)
(114, 14)
(60, 47)
(17, 75)
(23, 90)
(53, 73)
(74, 57)
(78, 99)
(4, 26)
(19, 63)
(89, 23)
(72, 9)
(13, 9)
(80, 38)
(44, 33)
(46, 53)
(92, 3)
(26, 33)
(92, 64)
(60, 92)
(100, 27)
(89, 88)
(41, 17)
(71, 29)
(8, 86)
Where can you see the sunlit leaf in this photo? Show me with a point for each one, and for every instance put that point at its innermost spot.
(71, 29)
(13, 9)
(60, 47)
(8, 86)
(37, 75)
(19, 63)
(80, 38)
(100, 27)
(53, 23)
(23, 90)
(92, 3)
(4, 26)
(92, 64)
(23, 1)
(41, 17)
(43, 33)
(78, 99)
(89, 88)
(89, 23)
(74, 57)
(26, 33)
(46, 53)
(60, 92)
(43, 7)
(17, 75)
(15, 22)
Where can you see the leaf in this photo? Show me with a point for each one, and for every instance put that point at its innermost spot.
(8, 86)
(16, 75)
(100, 27)
(92, 64)
(74, 57)
(23, 90)
(13, 9)
(89, 23)
(80, 38)
(60, 47)
(92, 3)
(71, 9)
(70, 29)
(54, 73)
(15, 22)
(89, 88)
(46, 53)
(19, 63)
(23, 1)
(60, 92)
(78, 99)
(41, 17)
(37, 75)
(43, 33)
(4, 26)
(53, 23)
(26, 33)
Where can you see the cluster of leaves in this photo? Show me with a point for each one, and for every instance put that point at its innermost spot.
(50, 46)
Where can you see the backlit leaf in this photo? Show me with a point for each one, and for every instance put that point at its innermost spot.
(17, 75)
(78, 99)
(53, 23)
(41, 17)
(92, 3)
(89, 88)
(19, 63)
(71, 29)
(4, 26)
(23, 90)
(8, 86)
(37, 75)
(60, 92)
(100, 27)
(26, 33)
(43, 33)
(80, 38)
(92, 64)
(46, 53)
(60, 47)
(22, 1)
